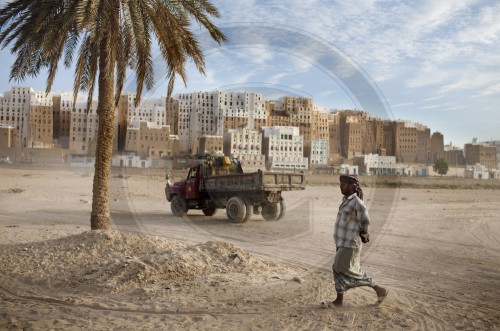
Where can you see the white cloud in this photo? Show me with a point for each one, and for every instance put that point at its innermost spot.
(433, 15)
(485, 29)
(429, 107)
(326, 93)
(429, 74)
(403, 104)
(300, 65)
(436, 97)
(491, 90)
(276, 78)
(452, 108)
(297, 86)
(253, 54)
(380, 36)
(210, 76)
(471, 80)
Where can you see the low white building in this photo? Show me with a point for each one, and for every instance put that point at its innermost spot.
(374, 164)
(477, 171)
(348, 169)
(82, 161)
(5, 159)
(495, 174)
(417, 170)
(283, 147)
(129, 161)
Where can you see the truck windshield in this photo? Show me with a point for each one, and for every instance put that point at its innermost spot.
(192, 173)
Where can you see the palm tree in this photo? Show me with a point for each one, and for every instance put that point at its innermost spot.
(109, 37)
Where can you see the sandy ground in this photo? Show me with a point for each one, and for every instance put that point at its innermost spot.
(436, 250)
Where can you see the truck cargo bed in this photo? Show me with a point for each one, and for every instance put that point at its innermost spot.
(256, 181)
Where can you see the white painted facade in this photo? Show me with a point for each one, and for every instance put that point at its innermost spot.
(203, 113)
(129, 161)
(14, 111)
(246, 145)
(477, 171)
(198, 116)
(348, 169)
(283, 147)
(319, 152)
(417, 170)
(242, 104)
(451, 147)
(242, 141)
(149, 110)
(382, 165)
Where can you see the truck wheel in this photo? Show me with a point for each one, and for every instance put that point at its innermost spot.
(210, 211)
(249, 211)
(178, 206)
(270, 211)
(236, 210)
(282, 208)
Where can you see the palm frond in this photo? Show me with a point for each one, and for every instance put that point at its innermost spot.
(11, 32)
(56, 32)
(69, 48)
(12, 10)
(198, 9)
(43, 31)
(81, 71)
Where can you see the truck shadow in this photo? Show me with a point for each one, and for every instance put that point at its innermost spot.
(296, 223)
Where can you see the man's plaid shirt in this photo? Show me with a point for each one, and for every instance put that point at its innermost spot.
(351, 220)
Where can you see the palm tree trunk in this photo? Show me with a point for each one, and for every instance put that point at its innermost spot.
(100, 216)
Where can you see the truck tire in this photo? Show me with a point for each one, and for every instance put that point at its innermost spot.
(282, 209)
(178, 206)
(270, 211)
(249, 211)
(209, 211)
(236, 210)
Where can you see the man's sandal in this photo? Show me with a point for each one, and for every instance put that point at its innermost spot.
(328, 304)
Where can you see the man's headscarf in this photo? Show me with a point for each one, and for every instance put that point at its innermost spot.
(349, 179)
(354, 180)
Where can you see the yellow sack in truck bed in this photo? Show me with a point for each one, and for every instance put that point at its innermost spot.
(222, 165)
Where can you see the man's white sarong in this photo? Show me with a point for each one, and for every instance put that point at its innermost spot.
(347, 271)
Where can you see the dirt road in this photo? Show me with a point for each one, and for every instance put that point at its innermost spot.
(437, 250)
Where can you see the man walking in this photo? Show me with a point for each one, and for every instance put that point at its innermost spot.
(351, 230)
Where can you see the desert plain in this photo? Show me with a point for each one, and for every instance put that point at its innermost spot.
(437, 250)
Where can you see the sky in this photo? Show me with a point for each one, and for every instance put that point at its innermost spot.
(432, 62)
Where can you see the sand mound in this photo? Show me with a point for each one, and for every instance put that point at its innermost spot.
(148, 281)
(120, 261)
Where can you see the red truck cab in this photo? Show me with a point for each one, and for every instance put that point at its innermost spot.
(186, 194)
(186, 189)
